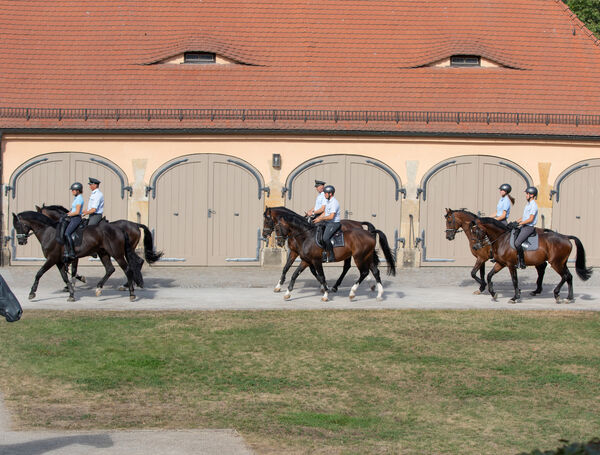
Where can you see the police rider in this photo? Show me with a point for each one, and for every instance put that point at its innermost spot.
(95, 208)
(527, 223)
(331, 218)
(320, 201)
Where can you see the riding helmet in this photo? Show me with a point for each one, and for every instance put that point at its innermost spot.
(505, 187)
(532, 190)
(329, 189)
(77, 186)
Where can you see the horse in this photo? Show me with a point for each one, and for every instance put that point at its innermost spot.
(359, 244)
(461, 219)
(55, 212)
(554, 248)
(102, 239)
(10, 307)
(269, 226)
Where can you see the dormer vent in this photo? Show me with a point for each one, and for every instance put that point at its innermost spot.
(199, 57)
(465, 60)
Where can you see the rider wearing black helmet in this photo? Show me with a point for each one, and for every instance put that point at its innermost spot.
(74, 218)
(331, 218)
(503, 207)
(527, 223)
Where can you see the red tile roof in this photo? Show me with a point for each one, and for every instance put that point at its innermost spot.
(361, 61)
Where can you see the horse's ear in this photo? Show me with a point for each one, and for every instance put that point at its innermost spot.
(38, 208)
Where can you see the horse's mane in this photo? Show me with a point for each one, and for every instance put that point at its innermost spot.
(58, 208)
(292, 217)
(465, 211)
(494, 221)
(30, 215)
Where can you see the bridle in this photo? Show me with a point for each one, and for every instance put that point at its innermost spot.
(29, 230)
(453, 221)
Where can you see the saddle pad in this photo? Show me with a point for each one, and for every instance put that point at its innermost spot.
(531, 244)
(77, 234)
(337, 239)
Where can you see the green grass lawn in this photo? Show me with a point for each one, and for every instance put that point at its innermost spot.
(356, 382)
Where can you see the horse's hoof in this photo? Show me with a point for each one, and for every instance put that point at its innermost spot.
(65, 289)
(333, 289)
(351, 297)
(373, 287)
(494, 297)
(32, 296)
(131, 298)
(567, 301)
(324, 299)
(277, 290)
(71, 299)
(380, 299)
(477, 292)
(287, 297)
(122, 288)
(82, 279)
(534, 293)
(557, 299)
(98, 292)
(514, 301)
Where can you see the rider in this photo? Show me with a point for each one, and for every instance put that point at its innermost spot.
(74, 219)
(95, 208)
(527, 222)
(503, 207)
(331, 218)
(320, 201)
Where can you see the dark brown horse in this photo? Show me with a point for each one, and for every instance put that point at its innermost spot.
(269, 226)
(457, 220)
(359, 244)
(102, 239)
(55, 212)
(554, 248)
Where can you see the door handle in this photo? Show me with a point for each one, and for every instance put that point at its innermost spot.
(211, 212)
(176, 213)
(373, 215)
(236, 214)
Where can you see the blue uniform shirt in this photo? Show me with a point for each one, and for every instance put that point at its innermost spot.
(321, 201)
(531, 209)
(78, 201)
(503, 204)
(333, 206)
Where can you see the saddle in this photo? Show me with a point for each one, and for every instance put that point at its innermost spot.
(77, 234)
(336, 240)
(531, 244)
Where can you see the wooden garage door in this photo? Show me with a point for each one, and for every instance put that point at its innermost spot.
(366, 189)
(207, 210)
(575, 207)
(469, 182)
(46, 180)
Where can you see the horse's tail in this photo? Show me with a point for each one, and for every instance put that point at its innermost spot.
(149, 253)
(582, 271)
(387, 252)
(134, 261)
(369, 226)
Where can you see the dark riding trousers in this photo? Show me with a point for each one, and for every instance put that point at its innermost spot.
(73, 223)
(95, 218)
(330, 228)
(526, 231)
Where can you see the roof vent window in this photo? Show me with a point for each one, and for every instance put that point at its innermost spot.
(465, 60)
(199, 57)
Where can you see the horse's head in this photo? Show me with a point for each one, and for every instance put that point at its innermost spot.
(268, 224)
(22, 228)
(452, 225)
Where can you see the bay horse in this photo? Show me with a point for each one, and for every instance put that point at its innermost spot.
(55, 212)
(359, 244)
(102, 239)
(457, 220)
(270, 226)
(554, 248)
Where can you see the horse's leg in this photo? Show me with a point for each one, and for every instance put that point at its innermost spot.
(479, 267)
(290, 260)
(565, 275)
(569, 279)
(363, 267)
(43, 269)
(541, 270)
(321, 277)
(74, 265)
(108, 268)
(496, 269)
(347, 266)
(128, 272)
(515, 280)
(297, 272)
(375, 272)
(65, 276)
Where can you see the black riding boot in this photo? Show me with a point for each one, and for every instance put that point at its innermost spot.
(521, 255)
(330, 255)
(69, 249)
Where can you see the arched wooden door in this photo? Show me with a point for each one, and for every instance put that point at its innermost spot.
(46, 180)
(575, 207)
(367, 190)
(469, 182)
(206, 209)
